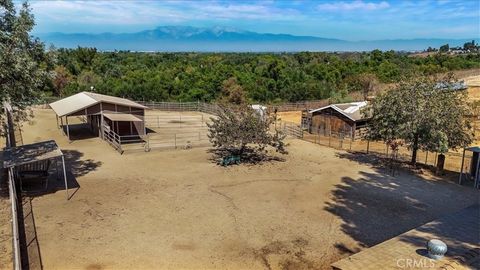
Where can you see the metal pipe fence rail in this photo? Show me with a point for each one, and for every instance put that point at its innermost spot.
(167, 140)
(176, 121)
(290, 129)
(298, 106)
(171, 106)
(183, 140)
(112, 138)
(182, 106)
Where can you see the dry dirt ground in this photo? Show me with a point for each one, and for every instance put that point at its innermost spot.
(294, 116)
(177, 209)
(6, 261)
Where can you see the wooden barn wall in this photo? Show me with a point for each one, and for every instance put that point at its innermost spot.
(108, 107)
(95, 109)
(329, 120)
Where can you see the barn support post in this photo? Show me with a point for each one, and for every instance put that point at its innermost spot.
(351, 141)
(477, 174)
(61, 124)
(131, 125)
(65, 176)
(101, 122)
(352, 131)
(461, 168)
(144, 126)
(68, 128)
(329, 137)
(56, 116)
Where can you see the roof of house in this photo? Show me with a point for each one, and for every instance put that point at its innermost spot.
(351, 110)
(84, 100)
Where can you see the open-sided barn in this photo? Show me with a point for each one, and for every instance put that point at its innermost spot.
(103, 114)
(344, 119)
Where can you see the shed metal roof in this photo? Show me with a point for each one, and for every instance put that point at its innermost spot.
(118, 117)
(84, 100)
(350, 110)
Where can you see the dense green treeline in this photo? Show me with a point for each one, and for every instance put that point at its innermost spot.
(262, 77)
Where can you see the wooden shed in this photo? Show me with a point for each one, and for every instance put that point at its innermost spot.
(103, 114)
(343, 119)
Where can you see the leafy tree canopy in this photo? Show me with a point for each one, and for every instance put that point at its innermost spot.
(24, 64)
(263, 77)
(424, 114)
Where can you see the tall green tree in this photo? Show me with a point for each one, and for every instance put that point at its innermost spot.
(424, 114)
(232, 92)
(22, 59)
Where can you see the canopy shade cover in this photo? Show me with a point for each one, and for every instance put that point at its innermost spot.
(29, 153)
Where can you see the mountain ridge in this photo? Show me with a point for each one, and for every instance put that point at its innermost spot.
(229, 39)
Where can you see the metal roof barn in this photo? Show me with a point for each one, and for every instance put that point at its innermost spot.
(80, 101)
(110, 118)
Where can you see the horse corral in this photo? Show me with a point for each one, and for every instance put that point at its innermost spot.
(176, 129)
(176, 209)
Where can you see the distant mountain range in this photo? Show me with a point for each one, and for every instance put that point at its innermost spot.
(224, 39)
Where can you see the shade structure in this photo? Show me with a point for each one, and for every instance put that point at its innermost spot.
(119, 117)
(31, 153)
(25, 154)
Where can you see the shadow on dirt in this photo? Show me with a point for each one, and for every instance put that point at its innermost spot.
(376, 206)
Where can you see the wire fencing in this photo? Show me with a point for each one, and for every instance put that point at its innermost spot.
(347, 140)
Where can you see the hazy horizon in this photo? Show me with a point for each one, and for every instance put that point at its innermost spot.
(357, 20)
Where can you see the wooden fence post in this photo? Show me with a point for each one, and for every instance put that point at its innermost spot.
(368, 146)
(329, 137)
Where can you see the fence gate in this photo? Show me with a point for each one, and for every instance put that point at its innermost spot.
(292, 129)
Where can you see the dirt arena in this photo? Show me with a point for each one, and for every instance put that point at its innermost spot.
(177, 209)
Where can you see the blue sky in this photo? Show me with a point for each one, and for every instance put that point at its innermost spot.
(350, 20)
